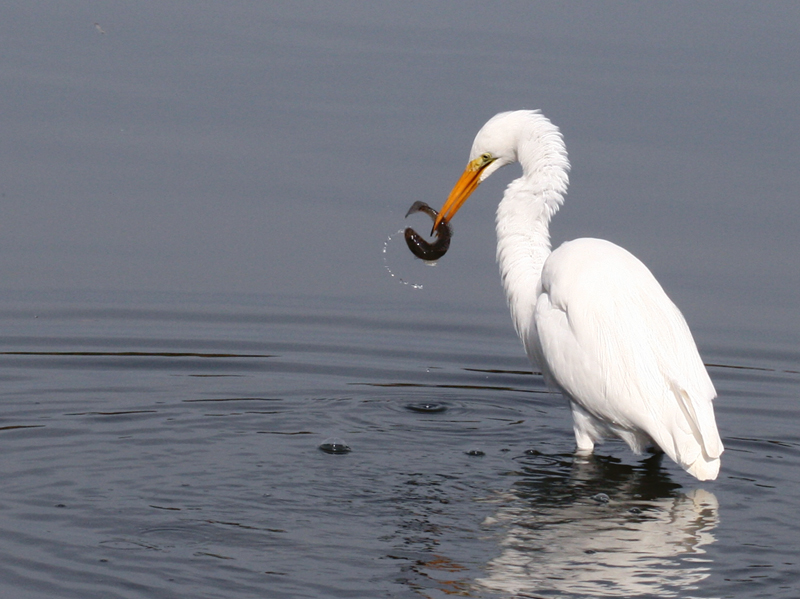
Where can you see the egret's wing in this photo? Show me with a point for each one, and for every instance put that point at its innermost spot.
(611, 338)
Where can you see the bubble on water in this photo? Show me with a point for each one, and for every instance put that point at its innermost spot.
(427, 407)
(335, 446)
(601, 498)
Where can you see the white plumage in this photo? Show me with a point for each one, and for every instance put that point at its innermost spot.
(590, 315)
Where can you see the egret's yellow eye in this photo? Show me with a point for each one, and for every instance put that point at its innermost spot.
(481, 162)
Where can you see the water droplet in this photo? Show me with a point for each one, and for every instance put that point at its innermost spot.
(335, 446)
(427, 408)
(389, 239)
(601, 498)
(476, 453)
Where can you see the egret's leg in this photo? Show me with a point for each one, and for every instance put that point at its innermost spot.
(585, 431)
(653, 461)
(584, 441)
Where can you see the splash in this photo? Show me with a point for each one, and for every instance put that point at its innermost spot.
(391, 272)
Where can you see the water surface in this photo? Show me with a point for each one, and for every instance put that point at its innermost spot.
(167, 447)
(194, 299)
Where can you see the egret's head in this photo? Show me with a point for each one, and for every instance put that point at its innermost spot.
(494, 147)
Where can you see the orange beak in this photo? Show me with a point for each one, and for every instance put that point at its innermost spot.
(466, 184)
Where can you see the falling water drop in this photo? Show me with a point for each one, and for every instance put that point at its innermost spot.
(389, 269)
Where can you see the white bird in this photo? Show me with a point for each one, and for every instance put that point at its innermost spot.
(590, 315)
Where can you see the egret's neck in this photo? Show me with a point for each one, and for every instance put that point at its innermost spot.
(523, 236)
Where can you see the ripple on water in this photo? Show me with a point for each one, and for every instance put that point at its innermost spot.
(335, 446)
(427, 407)
(201, 462)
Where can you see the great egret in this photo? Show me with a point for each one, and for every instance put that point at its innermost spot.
(591, 316)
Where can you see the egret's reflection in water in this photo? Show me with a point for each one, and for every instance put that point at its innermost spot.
(602, 530)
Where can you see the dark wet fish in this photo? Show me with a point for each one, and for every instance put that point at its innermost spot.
(419, 246)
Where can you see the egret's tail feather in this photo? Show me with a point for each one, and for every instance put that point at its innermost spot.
(704, 468)
(699, 414)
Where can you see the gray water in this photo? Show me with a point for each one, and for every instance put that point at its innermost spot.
(165, 447)
(195, 298)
